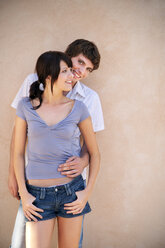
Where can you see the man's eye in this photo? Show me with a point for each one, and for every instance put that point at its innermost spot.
(89, 70)
(81, 62)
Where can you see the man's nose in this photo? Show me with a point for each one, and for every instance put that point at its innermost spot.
(83, 70)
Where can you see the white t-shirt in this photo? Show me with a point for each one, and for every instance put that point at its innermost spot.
(80, 92)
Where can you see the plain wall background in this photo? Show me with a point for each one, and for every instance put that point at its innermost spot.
(129, 200)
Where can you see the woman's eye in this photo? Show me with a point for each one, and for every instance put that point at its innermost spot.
(64, 71)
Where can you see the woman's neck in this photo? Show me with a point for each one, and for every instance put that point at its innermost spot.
(55, 98)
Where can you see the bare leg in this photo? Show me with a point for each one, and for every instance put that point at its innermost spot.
(39, 234)
(69, 230)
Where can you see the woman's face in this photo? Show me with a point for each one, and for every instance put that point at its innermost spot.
(64, 80)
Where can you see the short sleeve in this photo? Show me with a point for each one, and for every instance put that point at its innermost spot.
(84, 113)
(94, 105)
(97, 114)
(20, 110)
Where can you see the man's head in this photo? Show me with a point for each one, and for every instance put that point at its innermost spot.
(85, 58)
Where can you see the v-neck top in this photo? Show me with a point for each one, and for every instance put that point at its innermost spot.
(50, 145)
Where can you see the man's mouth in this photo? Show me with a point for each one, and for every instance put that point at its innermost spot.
(76, 75)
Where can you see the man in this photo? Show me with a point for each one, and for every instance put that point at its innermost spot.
(85, 58)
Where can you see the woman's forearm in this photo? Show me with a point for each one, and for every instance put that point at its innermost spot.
(94, 167)
(84, 155)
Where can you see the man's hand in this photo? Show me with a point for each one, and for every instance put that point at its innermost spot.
(13, 185)
(74, 166)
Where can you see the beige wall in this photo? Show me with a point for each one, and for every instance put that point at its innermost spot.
(129, 200)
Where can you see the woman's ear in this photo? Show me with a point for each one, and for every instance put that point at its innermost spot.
(48, 79)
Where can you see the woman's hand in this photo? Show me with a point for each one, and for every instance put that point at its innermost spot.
(77, 206)
(30, 211)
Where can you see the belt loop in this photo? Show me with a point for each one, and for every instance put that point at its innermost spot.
(68, 189)
(42, 195)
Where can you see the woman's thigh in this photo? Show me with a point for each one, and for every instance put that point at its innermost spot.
(39, 234)
(69, 230)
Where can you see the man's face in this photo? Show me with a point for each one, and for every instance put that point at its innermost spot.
(82, 67)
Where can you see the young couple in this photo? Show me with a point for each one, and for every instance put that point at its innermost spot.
(54, 110)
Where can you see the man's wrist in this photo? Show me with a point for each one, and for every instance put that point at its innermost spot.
(11, 171)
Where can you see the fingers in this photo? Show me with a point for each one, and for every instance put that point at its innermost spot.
(14, 193)
(36, 214)
(74, 207)
(36, 209)
(71, 204)
(70, 172)
(73, 175)
(30, 213)
(29, 216)
(67, 166)
(75, 211)
(17, 197)
(71, 158)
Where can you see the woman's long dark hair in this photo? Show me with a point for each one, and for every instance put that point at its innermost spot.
(48, 64)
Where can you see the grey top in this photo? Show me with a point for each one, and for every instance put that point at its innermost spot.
(50, 146)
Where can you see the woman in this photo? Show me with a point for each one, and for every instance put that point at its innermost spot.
(49, 120)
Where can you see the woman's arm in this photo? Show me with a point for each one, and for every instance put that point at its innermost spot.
(86, 129)
(19, 166)
(94, 165)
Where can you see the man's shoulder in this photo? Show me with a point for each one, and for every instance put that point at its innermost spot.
(31, 78)
(88, 91)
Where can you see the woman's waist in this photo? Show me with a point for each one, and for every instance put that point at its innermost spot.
(44, 171)
(50, 158)
(73, 184)
(49, 182)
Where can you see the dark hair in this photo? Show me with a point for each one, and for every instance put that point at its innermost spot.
(48, 64)
(87, 48)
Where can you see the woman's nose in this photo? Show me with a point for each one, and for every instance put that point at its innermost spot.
(71, 74)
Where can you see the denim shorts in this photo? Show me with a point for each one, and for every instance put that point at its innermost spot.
(52, 199)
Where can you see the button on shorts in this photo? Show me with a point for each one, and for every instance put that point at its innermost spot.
(52, 199)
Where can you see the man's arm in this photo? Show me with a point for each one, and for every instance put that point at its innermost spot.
(12, 181)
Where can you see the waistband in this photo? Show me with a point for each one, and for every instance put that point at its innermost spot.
(56, 188)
